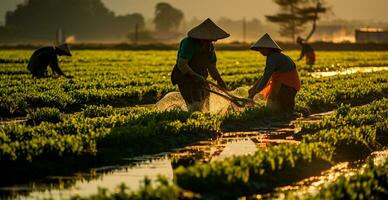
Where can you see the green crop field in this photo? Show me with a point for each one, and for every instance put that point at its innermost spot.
(57, 126)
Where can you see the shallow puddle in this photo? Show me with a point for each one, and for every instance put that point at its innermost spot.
(235, 148)
(348, 71)
(234, 144)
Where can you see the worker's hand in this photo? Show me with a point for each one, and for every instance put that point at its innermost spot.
(222, 84)
(252, 92)
(198, 78)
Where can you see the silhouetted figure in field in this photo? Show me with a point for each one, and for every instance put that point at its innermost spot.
(280, 81)
(47, 56)
(308, 51)
(196, 59)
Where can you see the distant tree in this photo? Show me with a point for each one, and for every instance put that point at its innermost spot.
(87, 19)
(167, 17)
(294, 15)
(129, 22)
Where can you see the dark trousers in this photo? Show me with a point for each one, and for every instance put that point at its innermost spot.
(194, 93)
(284, 102)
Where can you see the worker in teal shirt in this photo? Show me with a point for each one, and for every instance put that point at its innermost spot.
(196, 59)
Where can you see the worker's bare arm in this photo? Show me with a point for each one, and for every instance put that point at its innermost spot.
(55, 67)
(257, 82)
(253, 89)
(262, 82)
(183, 66)
(215, 74)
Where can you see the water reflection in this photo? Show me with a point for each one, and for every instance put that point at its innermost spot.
(231, 144)
(85, 184)
(235, 148)
(348, 71)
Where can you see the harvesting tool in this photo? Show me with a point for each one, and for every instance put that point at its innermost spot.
(238, 101)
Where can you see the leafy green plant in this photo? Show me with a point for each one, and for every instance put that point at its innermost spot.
(261, 172)
(40, 115)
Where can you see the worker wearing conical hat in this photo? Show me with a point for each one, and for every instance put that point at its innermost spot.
(307, 50)
(47, 56)
(280, 81)
(196, 59)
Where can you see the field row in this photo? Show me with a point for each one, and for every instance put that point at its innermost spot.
(124, 78)
(17, 101)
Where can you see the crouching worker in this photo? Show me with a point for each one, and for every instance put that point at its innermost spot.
(47, 56)
(280, 81)
(197, 58)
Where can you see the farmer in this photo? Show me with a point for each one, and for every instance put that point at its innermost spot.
(46, 56)
(307, 50)
(196, 58)
(280, 81)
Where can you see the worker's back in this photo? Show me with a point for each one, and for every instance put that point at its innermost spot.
(307, 48)
(41, 58)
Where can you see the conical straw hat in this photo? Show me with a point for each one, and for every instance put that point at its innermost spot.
(207, 30)
(265, 42)
(65, 48)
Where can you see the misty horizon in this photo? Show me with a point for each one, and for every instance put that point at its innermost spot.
(366, 11)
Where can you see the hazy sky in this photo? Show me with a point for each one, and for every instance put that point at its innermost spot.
(343, 9)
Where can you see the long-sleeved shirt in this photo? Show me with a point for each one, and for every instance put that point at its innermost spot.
(276, 62)
(42, 58)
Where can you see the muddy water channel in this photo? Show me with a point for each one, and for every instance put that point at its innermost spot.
(87, 183)
(135, 169)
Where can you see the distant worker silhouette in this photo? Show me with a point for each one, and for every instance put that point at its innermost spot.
(307, 50)
(47, 56)
(196, 59)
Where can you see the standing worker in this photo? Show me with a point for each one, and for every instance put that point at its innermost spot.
(307, 50)
(46, 56)
(196, 58)
(280, 81)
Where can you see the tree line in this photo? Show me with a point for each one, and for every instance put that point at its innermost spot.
(87, 20)
(91, 20)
